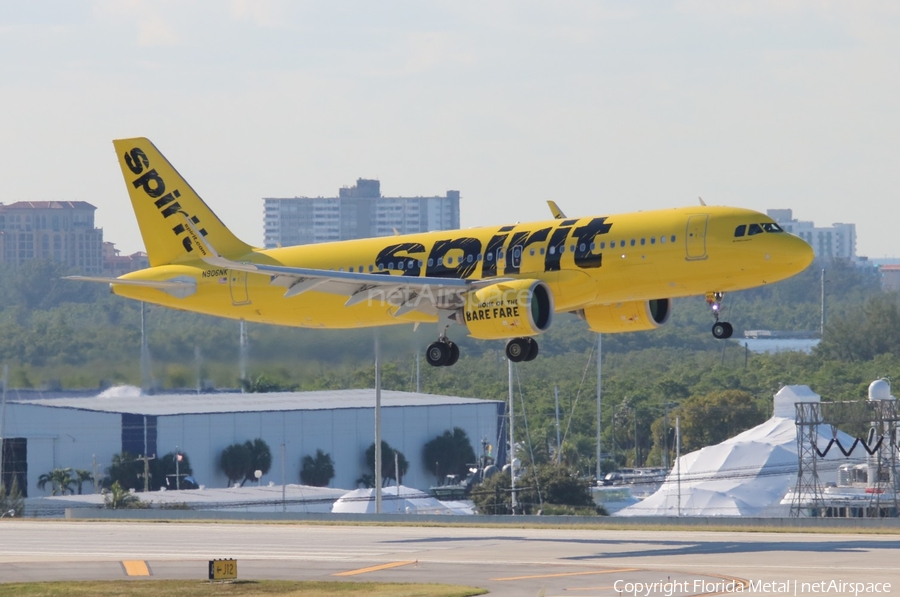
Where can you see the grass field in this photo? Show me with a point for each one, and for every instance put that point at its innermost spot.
(193, 588)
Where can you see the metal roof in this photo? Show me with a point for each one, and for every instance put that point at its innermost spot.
(50, 205)
(209, 403)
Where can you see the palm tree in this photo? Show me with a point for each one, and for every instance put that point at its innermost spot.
(118, 497)
(60, 480)
(260, 458)
(318, 470)
(81, 476)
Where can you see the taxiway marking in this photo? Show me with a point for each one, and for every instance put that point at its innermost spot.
(375, 568)
(136, 568)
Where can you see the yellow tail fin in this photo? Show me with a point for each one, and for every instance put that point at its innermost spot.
(162, 202)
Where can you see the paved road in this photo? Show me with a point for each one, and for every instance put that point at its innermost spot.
(509, 562)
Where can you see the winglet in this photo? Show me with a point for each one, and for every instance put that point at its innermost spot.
(702, 202)
(556, 211)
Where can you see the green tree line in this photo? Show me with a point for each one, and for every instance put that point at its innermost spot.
(71, 334)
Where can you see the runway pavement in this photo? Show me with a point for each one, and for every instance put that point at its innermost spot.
(507, 561)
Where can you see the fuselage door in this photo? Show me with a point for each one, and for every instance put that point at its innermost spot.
(695, 237)
(515, 257)
(237, 283)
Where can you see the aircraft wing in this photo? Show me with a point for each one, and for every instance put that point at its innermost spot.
(408, 293)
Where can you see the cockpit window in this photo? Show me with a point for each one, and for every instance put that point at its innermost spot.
(754, 229)
(740, 231)
(772, 227)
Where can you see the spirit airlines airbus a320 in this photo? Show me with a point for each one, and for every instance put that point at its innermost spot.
(618, 272)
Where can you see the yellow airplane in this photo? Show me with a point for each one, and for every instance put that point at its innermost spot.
(618, 272)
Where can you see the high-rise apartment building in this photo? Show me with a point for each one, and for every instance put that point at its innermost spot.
(60, 231)
(835, 242)
(357, 212)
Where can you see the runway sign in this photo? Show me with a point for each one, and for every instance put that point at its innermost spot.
(222, 569)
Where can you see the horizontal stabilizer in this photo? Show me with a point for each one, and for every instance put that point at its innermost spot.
(178, 287)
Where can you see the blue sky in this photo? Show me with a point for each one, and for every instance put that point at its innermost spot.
(602, 106)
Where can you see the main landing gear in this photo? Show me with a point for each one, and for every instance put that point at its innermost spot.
(445, 353)
(521, 349)
(720, 329)
(442, 353)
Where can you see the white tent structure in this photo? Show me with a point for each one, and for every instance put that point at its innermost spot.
(396, 500)
(746, 475)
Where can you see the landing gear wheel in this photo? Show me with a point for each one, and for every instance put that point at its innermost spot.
(438, 354)
(517, 350)
(454, 354)
(722, 330)
(532, 349)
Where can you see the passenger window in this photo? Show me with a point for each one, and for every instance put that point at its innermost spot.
(361, 269)
(469, 258)
(531, 252)
(581, 247)
(662, 239)
(478, 258)
(381, 267)
(652, 240)
(562, 249)
(643, 241)
(391, 265)
(603, 245)
(440, 261)
(542, 250)
(430, 262)
(572, 248)
(593, 246)
(421, 264)
(490, 256)
(371, 268)
(632, 242)
(351, 269)
(754, 229)
(341, 269)
(552, 250)
(673, 238)
(740, 231)
(612, 244)
(449, 260)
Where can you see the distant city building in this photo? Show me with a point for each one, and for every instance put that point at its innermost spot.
(357, 212)
(115, 265)
(890, 277)
(835, 242)
(60, 231)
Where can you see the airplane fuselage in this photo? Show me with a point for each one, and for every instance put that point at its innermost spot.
(587, 261)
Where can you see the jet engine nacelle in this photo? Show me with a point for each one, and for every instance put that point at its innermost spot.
(632, 316)
(509, 310)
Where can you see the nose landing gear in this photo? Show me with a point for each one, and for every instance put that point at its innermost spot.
(720, 329)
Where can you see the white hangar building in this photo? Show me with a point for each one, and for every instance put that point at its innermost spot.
(47, 433)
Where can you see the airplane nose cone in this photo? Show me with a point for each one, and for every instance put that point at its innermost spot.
(800, 253)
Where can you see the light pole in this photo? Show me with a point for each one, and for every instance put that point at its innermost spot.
(667, 406)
